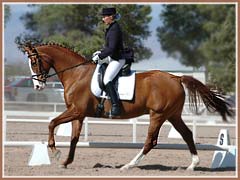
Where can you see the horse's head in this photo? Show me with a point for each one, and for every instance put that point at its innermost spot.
(39, 66)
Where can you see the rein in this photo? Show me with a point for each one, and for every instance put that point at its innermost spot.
(69, 68)
(56, 73)
(45, 75)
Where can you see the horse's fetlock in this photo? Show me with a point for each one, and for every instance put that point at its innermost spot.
(51, 145)
(147, 148)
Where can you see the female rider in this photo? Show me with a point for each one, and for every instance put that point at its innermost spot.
(113, 50)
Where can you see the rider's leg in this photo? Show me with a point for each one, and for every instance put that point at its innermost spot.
(110, 89)
(112, 70)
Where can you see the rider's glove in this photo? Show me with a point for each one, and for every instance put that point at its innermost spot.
(96, 58)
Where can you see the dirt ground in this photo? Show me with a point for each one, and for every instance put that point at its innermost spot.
(106, 162)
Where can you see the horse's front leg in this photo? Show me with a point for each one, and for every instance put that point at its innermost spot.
(76, 130)
(65, 117)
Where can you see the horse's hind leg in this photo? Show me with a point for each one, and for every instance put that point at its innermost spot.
(156, 122)
(186, 134)
(76, 130)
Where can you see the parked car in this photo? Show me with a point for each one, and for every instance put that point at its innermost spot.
(22, 90)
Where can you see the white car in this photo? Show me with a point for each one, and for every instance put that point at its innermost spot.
(22, 90)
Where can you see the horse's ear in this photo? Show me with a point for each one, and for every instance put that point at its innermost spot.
(23, 45)
(26, 49)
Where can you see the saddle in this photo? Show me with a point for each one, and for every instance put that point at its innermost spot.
(124, 83)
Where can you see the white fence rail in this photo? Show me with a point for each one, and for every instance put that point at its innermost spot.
(45, 117)
(55, 107)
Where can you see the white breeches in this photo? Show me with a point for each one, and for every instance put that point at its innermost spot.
(112, 70)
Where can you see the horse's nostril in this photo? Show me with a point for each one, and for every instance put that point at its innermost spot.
(37, 86)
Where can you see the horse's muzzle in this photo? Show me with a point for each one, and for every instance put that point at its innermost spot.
(39, 87)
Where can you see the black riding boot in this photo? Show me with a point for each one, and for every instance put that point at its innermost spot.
(115, 111)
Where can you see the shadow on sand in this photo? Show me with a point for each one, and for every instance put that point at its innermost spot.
(167, 168)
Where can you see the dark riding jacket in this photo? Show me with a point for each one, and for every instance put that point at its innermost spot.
(113, 42)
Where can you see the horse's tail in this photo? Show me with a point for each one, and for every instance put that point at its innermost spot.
(212, 100)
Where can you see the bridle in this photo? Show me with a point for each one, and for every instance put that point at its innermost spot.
(43, 73)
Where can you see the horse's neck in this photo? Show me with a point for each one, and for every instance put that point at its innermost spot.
(65, 60)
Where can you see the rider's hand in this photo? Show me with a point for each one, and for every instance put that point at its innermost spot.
(96, 58)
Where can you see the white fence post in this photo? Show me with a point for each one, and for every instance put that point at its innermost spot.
(86, 129)
(134, 121)
(194, 129)
(55, 107)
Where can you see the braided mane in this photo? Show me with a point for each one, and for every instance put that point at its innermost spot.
(22, 43)
(68, 47)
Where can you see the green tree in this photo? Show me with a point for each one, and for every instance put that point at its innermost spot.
(7, 14)
(202, 36)
(80, 26)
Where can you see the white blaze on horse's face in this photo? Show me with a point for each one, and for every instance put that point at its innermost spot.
(38, 85)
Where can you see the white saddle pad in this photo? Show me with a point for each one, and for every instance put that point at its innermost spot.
(126, 85)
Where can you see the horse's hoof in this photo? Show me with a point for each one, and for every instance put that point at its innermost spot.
(57, 154)
(125, 167)
(190, 168)
(195, 162)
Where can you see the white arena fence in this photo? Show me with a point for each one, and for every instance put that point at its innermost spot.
(60, 107)
(33, 117)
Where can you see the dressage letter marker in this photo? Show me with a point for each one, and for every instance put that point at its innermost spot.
(222, 159)
(39, 155)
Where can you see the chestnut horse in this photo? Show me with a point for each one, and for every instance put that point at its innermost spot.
(157, 93)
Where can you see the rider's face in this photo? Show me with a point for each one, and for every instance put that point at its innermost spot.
(107, 19)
